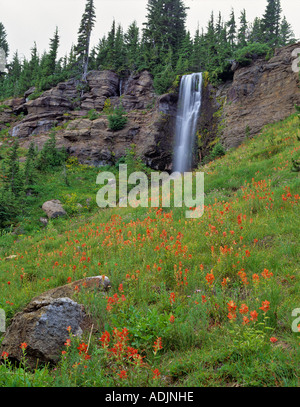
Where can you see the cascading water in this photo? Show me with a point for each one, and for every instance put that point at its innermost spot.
(189, 105)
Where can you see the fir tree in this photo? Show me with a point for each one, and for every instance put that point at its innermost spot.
(271, 22)
(3, 40)
(120, 53)
(243, 29)
(255, 31)
(286, 35)
(12, 174)
(110, 47)
(131, 40)
(50, 63)
(30, 173)
(84, 37)
(165, 26)
(231, 33)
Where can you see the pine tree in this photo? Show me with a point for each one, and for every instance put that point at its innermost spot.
(30, 166)
(198, 51)
(110, 46)
(12, 174)
(3, 40)
(255, 31)
(120, 53)
(13, 77)
(243, 29)
(286, 34)
(271, 22)
(231, 34)
(131, 40)
(50, 63)
(165, 26)
(84, 37)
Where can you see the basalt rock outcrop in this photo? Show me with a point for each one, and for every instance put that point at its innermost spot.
(43, 323)
(66, 107)
(261, 93)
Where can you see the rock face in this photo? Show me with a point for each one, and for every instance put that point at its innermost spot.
(53, 209)
(149, 127)
(103, 85)
(262, 93)
(42, 325)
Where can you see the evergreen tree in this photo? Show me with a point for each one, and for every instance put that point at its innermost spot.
(3, 40)
(255, 31)
(231, 33)
(11, 85)
(131, 40)
(50, 63)
(84, 37)
(12, 175)
(110, 47)
(30, 166)
(243, 29)
(286, 35)
(197, 57)
(120, 53)
(165, 27)
(271, 22)
(101, 56)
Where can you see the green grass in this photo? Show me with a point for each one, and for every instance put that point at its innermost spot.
(161, 262)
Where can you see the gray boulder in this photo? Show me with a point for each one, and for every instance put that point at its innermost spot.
(43, 324)
(53, 209)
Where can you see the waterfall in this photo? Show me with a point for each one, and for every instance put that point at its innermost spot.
(189, 105)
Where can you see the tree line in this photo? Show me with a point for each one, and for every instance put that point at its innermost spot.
(164, 46)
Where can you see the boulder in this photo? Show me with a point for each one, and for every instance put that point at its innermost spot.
(53, 209)
(43, 324)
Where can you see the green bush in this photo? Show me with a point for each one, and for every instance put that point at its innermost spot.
(118, 119)
(50, 156)
(92, 114)
(164, 80)
(217, 151)
(246, 55)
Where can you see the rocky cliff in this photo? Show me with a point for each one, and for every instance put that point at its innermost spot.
(66, 107)
(261, 93)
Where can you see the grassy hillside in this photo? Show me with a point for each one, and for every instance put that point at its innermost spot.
(196, 301)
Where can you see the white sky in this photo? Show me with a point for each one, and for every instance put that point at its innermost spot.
(27, 21)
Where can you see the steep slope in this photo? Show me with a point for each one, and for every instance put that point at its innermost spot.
(219, 292)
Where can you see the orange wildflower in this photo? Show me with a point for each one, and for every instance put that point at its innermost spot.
(244, 309)
(265, 306)
(231, 306)
(253, 315)
(210, 278)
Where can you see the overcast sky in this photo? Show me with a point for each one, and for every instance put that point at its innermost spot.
(27, 21)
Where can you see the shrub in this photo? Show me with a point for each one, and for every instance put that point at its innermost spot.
(217, 151)
(164, 80)
(117, 120)
(92, 114)
(50, 156)
(246, 55)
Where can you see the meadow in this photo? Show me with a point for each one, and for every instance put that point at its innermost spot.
(201, 302)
